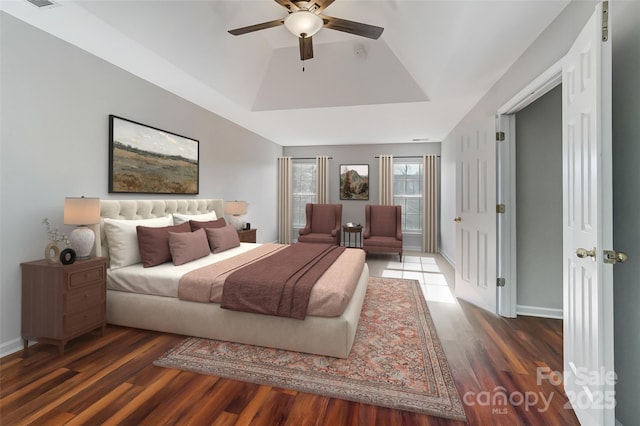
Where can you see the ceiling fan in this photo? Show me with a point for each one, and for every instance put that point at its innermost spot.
(305, 19)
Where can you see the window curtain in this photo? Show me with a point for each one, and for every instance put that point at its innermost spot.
(284, 200)
(322, 180)
(431, 199)
(385, 180)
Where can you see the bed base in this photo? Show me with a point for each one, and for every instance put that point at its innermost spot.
(331, 336)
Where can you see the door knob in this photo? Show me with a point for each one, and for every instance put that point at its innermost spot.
(584, 253)
(457, 219)
(613, 257)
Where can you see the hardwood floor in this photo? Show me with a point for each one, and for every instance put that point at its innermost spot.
(111, 379)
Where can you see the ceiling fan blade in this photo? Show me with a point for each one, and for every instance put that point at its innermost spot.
(257, 27)
(306, 48)
(357, 28)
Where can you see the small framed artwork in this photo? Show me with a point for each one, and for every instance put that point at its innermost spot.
(147, 160)
(354, 181)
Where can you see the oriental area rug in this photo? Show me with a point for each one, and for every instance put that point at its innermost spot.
(396, 361)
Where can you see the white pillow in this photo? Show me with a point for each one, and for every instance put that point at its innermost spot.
(122, 238)
(179, 218)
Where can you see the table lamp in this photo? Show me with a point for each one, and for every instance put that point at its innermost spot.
(82, 212)
(236, 209)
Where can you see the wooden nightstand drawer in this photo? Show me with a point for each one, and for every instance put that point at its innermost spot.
(83, 321)
(83, 298)
(84, 277)
(247, 235)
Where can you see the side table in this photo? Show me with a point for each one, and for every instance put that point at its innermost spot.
(354, 229)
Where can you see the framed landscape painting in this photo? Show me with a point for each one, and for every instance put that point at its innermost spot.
(354, 181)
(146, 160)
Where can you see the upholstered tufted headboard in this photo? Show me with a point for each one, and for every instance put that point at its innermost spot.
(147, 209)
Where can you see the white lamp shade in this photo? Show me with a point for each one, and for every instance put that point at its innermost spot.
(235, 208)
(303, 22)
(81, 211)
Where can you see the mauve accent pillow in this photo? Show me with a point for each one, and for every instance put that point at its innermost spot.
(188, 246)
(221, 239)
(219, 223)
(153, 243)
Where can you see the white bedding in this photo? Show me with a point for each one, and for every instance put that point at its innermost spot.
(162, 280)
(327, 298)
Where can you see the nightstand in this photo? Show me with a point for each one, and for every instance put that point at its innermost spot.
(247, 235)
(61, 302)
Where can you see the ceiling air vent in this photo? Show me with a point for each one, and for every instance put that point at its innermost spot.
(42, 3)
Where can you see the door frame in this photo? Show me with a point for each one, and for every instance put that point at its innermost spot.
(506, 247)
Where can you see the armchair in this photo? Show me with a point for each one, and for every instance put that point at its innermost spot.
(323, 224)
(383, 229)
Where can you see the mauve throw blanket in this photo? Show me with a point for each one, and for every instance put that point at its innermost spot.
(281, 283)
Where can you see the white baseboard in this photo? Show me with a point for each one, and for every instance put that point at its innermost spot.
(448, 258)
(536, 311)
(12, 346)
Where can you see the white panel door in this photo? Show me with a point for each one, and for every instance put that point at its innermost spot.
(587, 214)
(476, 216)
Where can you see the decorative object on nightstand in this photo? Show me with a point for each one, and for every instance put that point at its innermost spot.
(67, 256)
(247, 235)
(62, 302)
(236, 209)
(82, 212)
(56, 240)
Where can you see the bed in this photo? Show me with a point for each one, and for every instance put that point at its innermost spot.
(323, 335)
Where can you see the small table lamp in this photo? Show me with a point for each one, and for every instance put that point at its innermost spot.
(236, 209)
(82, 212)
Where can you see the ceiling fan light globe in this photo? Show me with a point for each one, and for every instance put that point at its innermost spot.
(303, 22)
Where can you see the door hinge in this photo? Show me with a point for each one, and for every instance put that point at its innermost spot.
(605, 21)
(500, 282)
(501, 208)
(500, 136)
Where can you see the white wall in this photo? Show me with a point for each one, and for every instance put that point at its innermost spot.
(547, 49)
(55, 103)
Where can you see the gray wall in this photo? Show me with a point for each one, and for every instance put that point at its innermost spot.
(539, 204)
(626, 205)
(55, 104)
(353, 210)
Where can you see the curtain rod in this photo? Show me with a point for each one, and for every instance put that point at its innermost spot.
(406, 156)
(308, 158)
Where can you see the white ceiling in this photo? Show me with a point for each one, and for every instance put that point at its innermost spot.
(433, 62)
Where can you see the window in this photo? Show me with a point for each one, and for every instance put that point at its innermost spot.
(304, 191)
(407, 192)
